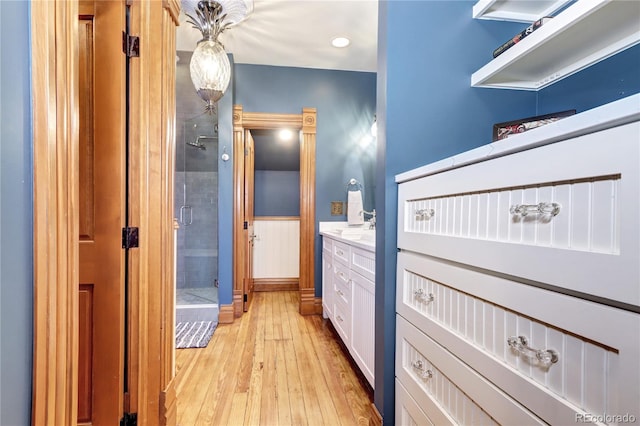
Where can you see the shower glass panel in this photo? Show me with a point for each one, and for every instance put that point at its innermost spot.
(196, 208)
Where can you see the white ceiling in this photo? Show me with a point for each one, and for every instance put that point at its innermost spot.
(298, 33)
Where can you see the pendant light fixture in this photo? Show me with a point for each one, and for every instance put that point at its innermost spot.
(210, 69)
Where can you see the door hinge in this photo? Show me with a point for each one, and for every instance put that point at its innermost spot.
(129, 419)
(246, 225)
(130, 45)
(245, 298)
(129, 237)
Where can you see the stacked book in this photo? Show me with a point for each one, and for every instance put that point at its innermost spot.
(531, 28)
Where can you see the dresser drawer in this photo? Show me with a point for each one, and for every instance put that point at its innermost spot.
(341, 252)
(448, 390)
(474, 315)
(485, 214)
(408, 412)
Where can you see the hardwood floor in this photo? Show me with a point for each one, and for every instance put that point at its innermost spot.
(270, 367)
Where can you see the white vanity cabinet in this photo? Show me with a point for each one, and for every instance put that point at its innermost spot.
(363, 299)
(327, 283)
(348, 296)
(518, 279)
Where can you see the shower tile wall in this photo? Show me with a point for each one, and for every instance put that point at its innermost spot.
(198, 266)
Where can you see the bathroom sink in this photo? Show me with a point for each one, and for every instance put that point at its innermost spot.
(368, 234)
(356, 233)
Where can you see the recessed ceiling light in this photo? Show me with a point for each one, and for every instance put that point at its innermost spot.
(340, 42)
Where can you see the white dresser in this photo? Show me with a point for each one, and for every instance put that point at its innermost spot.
(518, 278)
(348, 294)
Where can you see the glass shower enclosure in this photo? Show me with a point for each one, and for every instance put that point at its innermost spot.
(196, 208)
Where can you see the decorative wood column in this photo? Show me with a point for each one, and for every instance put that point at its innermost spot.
(308, 303)
(151, 167)
(54, 29)
(238, 216)
(168, 398)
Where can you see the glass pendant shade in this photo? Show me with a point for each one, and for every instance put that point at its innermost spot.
(210, 71)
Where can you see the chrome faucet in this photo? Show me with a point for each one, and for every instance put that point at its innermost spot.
(372, 221)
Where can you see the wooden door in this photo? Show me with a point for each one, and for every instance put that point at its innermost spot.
(101, 211)
(249, 174)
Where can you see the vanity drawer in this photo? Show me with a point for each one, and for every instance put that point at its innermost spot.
(478, 214)
(342, 322)
(327, 284)
(341, 284)
(341, 252)
(327, 254)
(364, 263)
(327, 245)
(448, 391)
(473, 315)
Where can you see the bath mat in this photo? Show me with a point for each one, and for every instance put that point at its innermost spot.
(194, 334)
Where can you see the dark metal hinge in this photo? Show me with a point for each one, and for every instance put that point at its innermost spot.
(246, 225)
(129, 237)
(129, 419)
(245, 298)
(130, 45)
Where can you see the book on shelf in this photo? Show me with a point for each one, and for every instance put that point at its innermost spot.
(511, 42)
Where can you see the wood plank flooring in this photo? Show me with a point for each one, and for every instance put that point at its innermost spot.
(270, 367)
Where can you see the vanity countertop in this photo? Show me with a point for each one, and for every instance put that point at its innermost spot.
(362, 237)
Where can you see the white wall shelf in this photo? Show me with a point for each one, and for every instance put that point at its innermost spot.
(516, 10)
(582, 35)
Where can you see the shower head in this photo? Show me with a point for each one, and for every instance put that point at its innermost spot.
(197, 144)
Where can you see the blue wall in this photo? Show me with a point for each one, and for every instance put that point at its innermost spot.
(606, 81)
(16, 214)
(277, 193)
(345, 103)
(428, 111)
(225, 193)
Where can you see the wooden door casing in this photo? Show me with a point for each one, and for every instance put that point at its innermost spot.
(151, 291)
(249, 235)
(101, 174)
(306, 123)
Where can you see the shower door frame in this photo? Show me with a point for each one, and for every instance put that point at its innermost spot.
(187, 205)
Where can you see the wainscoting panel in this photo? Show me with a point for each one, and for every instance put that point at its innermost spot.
(276, 250)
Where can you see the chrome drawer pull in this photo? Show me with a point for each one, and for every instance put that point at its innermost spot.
(340, 293)
(424, 374)
(541, 208)
(423, 297)
(545, 357)
(425, 214)
(340, 252)
(339, 318)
